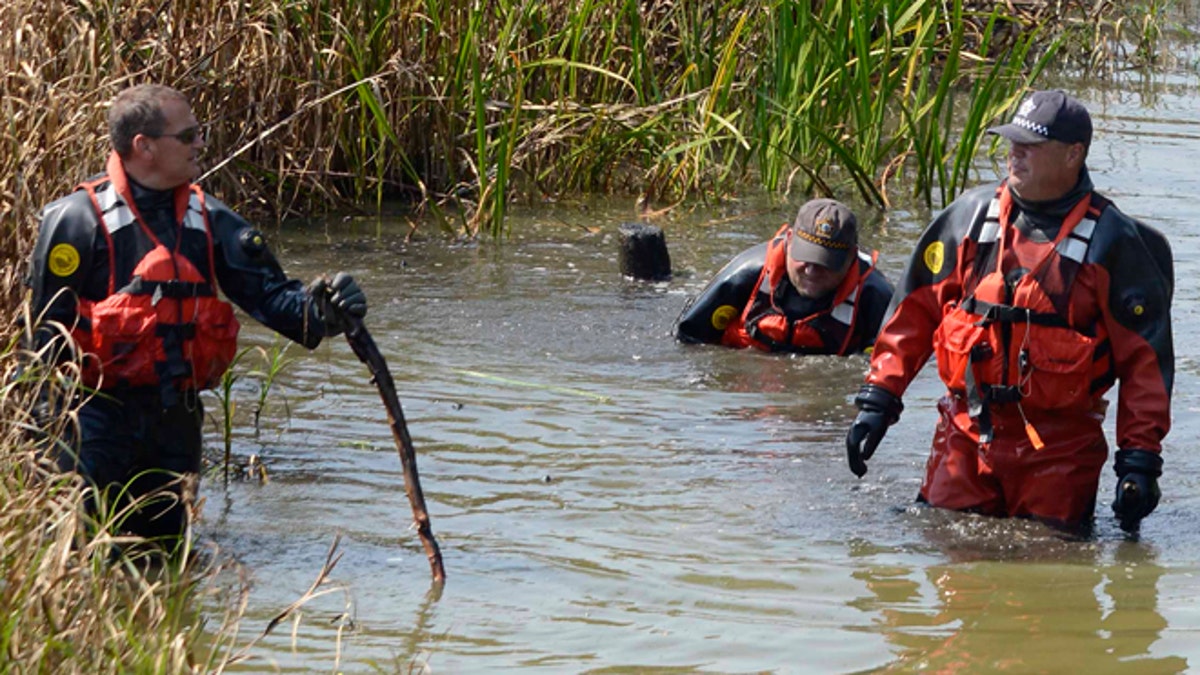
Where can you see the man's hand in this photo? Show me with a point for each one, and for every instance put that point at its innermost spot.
(1137, 486)
(878, 410)
(338, 301)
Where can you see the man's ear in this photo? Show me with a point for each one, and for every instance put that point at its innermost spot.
(1077, 153)
(141, 143)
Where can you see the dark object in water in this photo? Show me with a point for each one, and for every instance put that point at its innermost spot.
(364, 348)
(644, 253)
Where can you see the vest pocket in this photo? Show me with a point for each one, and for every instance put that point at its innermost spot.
(953, 341)
(123, 339)
(1060, 364)
(216, 342)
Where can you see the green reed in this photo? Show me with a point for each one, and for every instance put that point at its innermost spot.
(943, 128)
(472, 104)
(272, 363)
(228, 405)
(463, 106)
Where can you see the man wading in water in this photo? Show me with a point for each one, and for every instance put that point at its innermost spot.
(130, 262)
(1036, 295)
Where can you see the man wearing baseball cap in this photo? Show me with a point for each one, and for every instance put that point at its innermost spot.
(809, 290)
(1036, 295)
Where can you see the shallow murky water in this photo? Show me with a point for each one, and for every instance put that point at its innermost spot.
(610, 501)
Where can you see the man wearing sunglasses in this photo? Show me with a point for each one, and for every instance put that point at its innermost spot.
(809, 290)
(125, 274)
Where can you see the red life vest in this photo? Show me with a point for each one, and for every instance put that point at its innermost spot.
(764, 325)
(1018, 340)
(166, 326)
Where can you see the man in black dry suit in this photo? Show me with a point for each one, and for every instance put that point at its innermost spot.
(130, 264)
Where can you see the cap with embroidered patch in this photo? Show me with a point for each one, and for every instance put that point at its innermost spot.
(1048, 116)
(824, 233)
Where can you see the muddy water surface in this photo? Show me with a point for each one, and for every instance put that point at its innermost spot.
(610, 501)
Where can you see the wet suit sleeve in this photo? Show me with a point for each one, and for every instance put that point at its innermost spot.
(251, 277)
(931, 280)
(1139, 272)
(706, 316)
(69, 261)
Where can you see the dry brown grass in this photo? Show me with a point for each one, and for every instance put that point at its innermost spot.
(76, 597)
(63, 607)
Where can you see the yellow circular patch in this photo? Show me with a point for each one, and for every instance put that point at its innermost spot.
(1139, 310)
(64, 260)
(935, 256)
(723, 315)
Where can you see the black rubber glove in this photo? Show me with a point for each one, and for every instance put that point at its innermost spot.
(1137, 486)
(338, 301)
(878, 410)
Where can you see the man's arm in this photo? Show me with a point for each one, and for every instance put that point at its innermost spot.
(932, 278)
(69, 261)
(252, 278)
(1139, 270)
(706, 316)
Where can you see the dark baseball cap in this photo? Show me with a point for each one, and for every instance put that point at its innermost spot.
(825, 233)
(1048, 116)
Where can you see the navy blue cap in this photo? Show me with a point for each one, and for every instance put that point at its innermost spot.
(1048, 116)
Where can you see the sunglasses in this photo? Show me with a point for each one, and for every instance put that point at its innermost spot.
(187, 136)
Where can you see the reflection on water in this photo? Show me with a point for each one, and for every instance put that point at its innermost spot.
(1044, 606)
(609, 501)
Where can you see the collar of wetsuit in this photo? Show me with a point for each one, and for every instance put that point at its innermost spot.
(1046, 217)
(149, 199)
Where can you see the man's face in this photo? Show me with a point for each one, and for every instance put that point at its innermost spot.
(177, 151)
(812, 280)
(1044, 171)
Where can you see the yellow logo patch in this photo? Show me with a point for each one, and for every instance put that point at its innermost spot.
(935, 256)
(63, 260)
(723, 315)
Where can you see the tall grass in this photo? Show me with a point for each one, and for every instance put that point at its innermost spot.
(76, 595)
(272, 363)
(464, 105)
(70, 601)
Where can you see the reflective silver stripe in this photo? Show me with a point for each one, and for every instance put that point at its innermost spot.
(108, 198)
(116, 214)
(1075, 245)
(194, 217)
(1072, 248)
(990, 231)
(120, 217)
(994, 209)
(844, 312)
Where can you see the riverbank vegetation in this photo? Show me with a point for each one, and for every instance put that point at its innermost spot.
(460, 107)
(456, 109)
(70, 602)
(76, 595)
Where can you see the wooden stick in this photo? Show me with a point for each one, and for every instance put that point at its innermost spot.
(364, 348)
